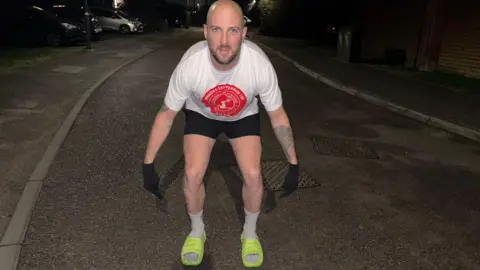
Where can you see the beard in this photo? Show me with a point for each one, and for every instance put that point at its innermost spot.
(230, 59)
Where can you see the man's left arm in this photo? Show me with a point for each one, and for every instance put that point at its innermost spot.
(283, 132)
(271, 97)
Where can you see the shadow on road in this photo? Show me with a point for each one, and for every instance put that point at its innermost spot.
(206, 264)
(169, 178)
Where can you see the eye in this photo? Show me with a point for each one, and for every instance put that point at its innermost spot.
(234, 30)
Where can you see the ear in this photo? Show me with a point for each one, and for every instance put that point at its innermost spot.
(205, 30)
(244, 32)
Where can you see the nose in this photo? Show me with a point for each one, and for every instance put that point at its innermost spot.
(224, 39)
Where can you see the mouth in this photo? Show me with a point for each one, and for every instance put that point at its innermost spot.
(224, 49)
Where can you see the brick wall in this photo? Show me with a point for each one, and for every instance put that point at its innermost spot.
(460, 51)
(391, 24)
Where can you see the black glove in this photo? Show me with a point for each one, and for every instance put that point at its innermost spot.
(151, 180)
(290, 183)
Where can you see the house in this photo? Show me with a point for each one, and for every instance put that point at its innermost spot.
(434, 34)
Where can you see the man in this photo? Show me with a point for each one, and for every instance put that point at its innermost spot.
(218, 80)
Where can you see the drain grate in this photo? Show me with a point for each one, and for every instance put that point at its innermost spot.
(274, 173)
(342, 148)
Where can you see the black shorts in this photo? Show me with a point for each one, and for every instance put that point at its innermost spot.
(195, 123)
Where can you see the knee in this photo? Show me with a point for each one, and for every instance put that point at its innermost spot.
(253, 179)
(193, 177)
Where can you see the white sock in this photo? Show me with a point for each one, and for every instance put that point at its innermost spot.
(197, 232)
(250, 226)
(197, 224)
(249, 231)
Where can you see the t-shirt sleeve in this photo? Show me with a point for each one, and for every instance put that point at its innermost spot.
(177, 91)
(268, 89)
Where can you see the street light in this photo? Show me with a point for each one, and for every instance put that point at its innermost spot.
(87, 26)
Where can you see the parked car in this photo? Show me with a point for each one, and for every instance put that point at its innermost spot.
(77, 14)
(32, 25)
(116, 20)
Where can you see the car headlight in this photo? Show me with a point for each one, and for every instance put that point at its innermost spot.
(69, 26)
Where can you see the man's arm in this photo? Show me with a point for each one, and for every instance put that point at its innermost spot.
(160, 130)
(175, 98)
(271, 97)
(283, 132)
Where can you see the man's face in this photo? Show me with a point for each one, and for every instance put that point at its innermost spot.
(224, 33)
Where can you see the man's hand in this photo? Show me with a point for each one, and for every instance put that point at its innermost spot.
(284, 134)
(151, 180)
(158, 134)
(290, 183)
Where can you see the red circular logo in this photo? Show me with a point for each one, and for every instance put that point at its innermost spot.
(225, 100)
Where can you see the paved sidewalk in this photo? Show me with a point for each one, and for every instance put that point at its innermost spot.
(35, 101)
(456, 112)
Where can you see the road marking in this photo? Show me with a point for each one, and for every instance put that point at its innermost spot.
(121, 55)
(6, 119)
(26, 104)
(69, 69)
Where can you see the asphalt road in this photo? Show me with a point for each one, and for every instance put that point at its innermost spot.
(392, 193)
(34, 102)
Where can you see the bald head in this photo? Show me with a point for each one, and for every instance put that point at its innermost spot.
(225, 31)
(224, 8)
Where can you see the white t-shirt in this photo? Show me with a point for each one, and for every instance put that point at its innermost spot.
(223, 95)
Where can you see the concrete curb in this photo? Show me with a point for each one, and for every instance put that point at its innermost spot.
(11, 244)
(427, 119)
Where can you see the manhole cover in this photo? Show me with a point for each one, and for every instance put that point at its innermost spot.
(274, 173)
(69, 69)
(342, 148)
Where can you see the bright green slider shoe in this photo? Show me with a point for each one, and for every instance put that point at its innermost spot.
(251, 247)
(193, 245)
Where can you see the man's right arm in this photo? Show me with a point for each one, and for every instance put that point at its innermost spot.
(177, 93)
(160, 130)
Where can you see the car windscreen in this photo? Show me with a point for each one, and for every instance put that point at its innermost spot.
(122, 13)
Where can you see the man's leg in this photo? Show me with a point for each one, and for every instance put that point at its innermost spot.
(197, 146)
(246, 144)
(248, 151)
(197, 150)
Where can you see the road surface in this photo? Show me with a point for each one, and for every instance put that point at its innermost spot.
(387, 192)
